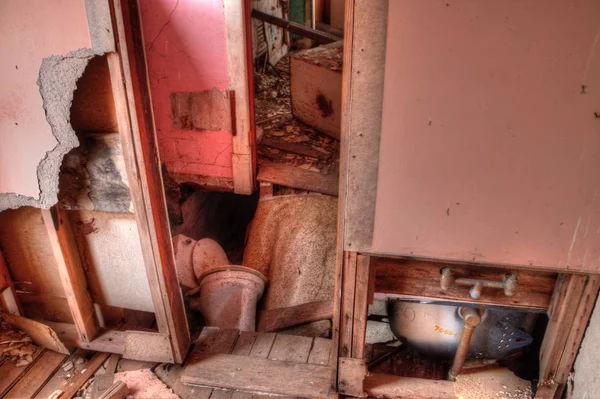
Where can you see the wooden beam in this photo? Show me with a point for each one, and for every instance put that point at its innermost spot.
(71, 272)
(277, 319)
(292, 176)
(136, 127)
(112, 341)
(347, 305)
(569, 313)
(352, 373)
(317, 36)
(361, 304)
(416, 279)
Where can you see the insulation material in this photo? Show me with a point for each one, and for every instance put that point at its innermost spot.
(294, 235)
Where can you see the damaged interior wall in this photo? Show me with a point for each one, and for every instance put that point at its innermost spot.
(45, 49)
(62, 73)
(186, 52)
(35, 36)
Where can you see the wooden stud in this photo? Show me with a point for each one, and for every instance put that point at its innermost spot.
(242, 157)
(347, 306)
(136, 127)
(71, 272)
(361, 304)
(580, 322)
(569, 313)
(8, 296)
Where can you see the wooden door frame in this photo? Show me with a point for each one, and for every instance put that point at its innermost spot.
(239, 61)
(138, 136)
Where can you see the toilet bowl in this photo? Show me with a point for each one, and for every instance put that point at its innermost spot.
(229, 295)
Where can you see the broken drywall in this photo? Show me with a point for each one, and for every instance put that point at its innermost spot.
(31, 32)
(57, 81)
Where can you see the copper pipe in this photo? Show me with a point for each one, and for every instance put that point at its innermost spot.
(472, 318)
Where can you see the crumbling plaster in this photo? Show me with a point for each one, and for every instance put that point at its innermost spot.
(38, 88)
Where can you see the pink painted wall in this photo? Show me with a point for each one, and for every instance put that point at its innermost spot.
(489, 150)
(29, 31)
(186, 50)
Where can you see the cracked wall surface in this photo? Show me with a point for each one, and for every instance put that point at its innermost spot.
(40, 70)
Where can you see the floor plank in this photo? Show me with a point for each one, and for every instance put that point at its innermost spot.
(221, 394)
(60, 378)
(243, 346)
(291, 348)
(262, 345)
(10, 373)
(259, 375)
(170, 374)
(35, 378)
(79, 379)
(320, 352)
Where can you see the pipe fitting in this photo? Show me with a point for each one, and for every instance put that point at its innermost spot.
(472, 318)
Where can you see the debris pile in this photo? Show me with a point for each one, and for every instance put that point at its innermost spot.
(282, 138)
(15, 345)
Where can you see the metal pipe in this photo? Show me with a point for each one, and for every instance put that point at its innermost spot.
(472, 318)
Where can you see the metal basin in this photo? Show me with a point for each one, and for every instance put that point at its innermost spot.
(435, 329)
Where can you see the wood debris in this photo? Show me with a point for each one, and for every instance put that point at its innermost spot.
(15, 345)
(283, 138)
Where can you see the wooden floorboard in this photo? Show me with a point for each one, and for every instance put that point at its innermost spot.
(35, 378)
(260, 375)
(320, 351)
(288, 365)
(291, 348)
(10, 373)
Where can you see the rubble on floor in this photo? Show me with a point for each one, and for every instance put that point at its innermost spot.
(282, 138)
(15, 345)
